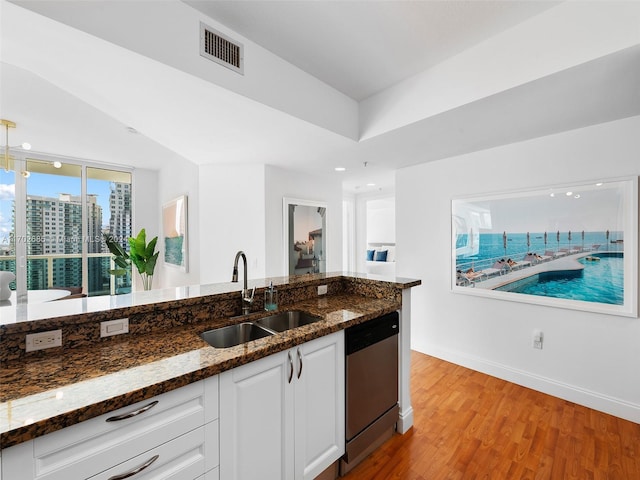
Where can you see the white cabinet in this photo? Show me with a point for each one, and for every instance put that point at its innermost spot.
(173, 435)
(319, 405)
(282, 417)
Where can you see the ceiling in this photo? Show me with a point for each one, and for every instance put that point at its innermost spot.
(363, 47)
(86, 104)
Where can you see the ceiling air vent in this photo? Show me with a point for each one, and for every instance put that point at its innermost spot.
(221, 49)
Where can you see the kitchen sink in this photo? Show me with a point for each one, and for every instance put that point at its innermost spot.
(281, 322)
(232, 335)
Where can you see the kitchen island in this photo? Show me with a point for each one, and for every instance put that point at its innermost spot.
(45, 391)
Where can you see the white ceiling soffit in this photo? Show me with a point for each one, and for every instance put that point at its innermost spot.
(363, 47)
(207, 123)
(168, 32)
(197, 120)
(53, 121)
(595, 92)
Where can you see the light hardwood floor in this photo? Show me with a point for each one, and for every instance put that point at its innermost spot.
(468, 425)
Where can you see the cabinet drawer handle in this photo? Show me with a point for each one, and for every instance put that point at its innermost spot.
(299, 363)
(136, 470)
(290, 367)
(124, 416)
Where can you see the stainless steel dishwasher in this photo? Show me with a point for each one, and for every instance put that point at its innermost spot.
(371, 386)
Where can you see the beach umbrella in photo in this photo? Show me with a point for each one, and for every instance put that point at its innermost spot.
(607, 234)
(504, 242)
(528, 242)
(582, 235)
(569, 237)
(558, 239)
(545, 240)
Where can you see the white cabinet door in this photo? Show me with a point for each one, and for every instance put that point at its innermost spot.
(319, 404)
(282, 417)
(256, 420)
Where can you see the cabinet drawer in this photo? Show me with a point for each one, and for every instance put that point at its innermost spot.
(182, 458)
(211, 475)
(100, 443)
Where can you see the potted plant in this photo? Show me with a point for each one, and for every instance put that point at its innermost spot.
(141, 254)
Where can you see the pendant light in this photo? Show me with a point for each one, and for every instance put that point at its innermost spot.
(7, 124)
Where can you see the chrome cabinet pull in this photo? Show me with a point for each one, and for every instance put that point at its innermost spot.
(290, 367)
(124, 416)
(299, 363)
(136, 470)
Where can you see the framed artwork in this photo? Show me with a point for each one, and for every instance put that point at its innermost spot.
(174, 233)
(570, 246)
(305, 236)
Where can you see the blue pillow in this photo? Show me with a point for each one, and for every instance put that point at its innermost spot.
(381, 256)
(370, 255)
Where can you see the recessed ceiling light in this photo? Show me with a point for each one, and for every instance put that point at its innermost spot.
(569, 194)
(57, 164)
(599, 184)
(26, 146)
(339, 169)
(552, 194)
(371, 184)
(577, 195)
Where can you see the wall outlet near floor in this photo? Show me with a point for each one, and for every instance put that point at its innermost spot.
(322, 289)
(538, 337)
(114, 327)
(42, 340)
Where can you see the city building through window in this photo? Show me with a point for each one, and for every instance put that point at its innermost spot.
(53, 220)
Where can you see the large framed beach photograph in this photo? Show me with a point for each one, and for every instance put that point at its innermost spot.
(570, 246)
(305, 236)
(174, 233)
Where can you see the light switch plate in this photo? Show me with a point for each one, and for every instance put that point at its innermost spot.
(114, 327)
(322, 289)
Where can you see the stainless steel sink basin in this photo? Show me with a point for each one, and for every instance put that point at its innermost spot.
(281, 322)
(232, 335)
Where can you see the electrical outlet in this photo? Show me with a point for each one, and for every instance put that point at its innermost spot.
(538, 337)
(42, 340)
(322, 289)
(114, 327)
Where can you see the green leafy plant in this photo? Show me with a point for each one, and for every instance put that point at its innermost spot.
(141, 254)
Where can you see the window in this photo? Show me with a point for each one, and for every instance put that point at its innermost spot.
(66, 250)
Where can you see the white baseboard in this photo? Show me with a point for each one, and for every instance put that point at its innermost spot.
(405, 421)
(597, 401)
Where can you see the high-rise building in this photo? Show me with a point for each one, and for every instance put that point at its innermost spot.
(120, 209)
(54, 227)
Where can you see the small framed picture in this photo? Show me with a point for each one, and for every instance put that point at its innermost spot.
(174, 233)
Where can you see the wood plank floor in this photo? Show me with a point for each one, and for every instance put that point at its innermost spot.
(468, 425)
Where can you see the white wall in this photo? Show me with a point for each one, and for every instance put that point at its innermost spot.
(588, 358)
(282, 183)
(145, 214)
(381, 220)
(231, 218)
(180, 178)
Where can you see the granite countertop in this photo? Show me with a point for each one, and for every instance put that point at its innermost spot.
(44, 394)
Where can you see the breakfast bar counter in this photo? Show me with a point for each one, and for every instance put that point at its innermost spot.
(45, 391)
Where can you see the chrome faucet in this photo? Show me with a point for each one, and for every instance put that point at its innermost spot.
(247, 300)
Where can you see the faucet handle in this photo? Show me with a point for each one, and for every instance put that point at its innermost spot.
(248, 298)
